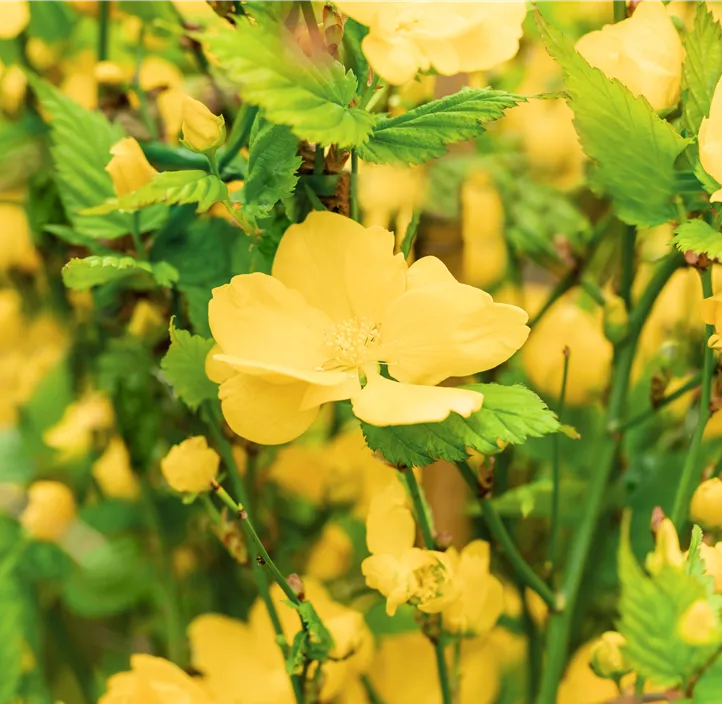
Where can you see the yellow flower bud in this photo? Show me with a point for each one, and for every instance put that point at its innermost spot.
(712, 315)
(202, 130)
(616, 319)
(109, 73)
(14, 17)
(666, 551)
(706, 506)
(13, 87)
(191, 466)
(146, 319)
(129, 168)
(607, 659)
(50, 510)
(114, 474)
(699, 624)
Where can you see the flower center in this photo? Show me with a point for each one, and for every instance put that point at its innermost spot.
(430, 580)
(350, 343)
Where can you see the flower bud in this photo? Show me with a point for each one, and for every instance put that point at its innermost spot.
(699, 624)
(109, 73)
(50, 510)
(191, 466)
(616, 319)
(13, 87)
(202, 130)
(15, 18)
(114, 474)
(706, 506)
(666, 551)
(129, 168)
(607, 657)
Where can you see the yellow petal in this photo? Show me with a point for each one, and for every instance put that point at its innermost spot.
(394, 58)
(710, 308)
(381, 573)
(215, 370)
(129, 168)
(443, 330)
(14, 17)
(256, 318)
(279, 374)
(266, 413)
(427, 271)
(385, 402)
(339, 266)
(390, 526)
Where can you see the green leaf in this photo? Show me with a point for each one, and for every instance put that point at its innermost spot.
(701, 238)
(184, 365)
(426, 131)
(702, 68)
(650, 610)
(633, 149)
(11, 637)
(82, 274)
(708, 687)
(171, 188)
(273, 161)
(311, 95)
(81, 142)
(509, 414)
(313, 643)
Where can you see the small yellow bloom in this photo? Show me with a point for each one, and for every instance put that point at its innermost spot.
(607, 657)
(41, 55)
(146, 319)
(50, 511)
(191, 466)
(110, 73)
(153, 680)
(16, 245)
(14, 17)
(450, 37)
(202, 130)
(129, 168)
(710, 141)
(73, 434)
(712, 315)
(699, 624)
(644, 52)
(113, 472)
(706, 506)
(13, 87)
(666, 551)
(581, 685)
(330, 557)
(338, 304)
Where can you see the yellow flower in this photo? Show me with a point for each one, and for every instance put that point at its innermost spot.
(40, 54)
(644, 52)
(110, 73)
(607, 656)
(401, 572)
(129, 168)
(712, 315)
(666, 551)
(706, 506)
(16, 244)
(113, 472)
(699, 624)
(338, 304)
(153, 680)
(14, 18)
(191, 466)
(450, 37)
(568, 324)
(202, 130)
(13, 86)
(481, 597)
(330, 557)
(146, 319)
(581, 685)
(712, 556)
(710, 141)
(50, 510)
(73, 434)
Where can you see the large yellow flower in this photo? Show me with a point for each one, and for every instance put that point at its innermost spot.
(451, 37)
(339, 304)
(710, 141)
(644, 52)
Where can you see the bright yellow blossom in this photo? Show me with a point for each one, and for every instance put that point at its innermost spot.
(712, 315)
(644, 52)
(202, 130)
(710, 141)
(14, 17)
(450, 37)
(50, 511)
(607, 656)
(581, 685)
(113, 472)
(191, 466)
(153, 680)
(666, 551)
(706, 506)
(338, 304)
(129, 168)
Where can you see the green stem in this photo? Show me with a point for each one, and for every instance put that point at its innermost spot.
(629, 242)
(369, 92)
(419, 508)
(499, 532)
(691, 472)
(240, 132)
(137, 239)
(103, 30)
(173, 158)
(693, 383)
(313, 198)
(556, 479)
(560, 624)
(442, 668)
(213, 164)
(620, 10)
(354, 186)
(371, 694)
(309, 17)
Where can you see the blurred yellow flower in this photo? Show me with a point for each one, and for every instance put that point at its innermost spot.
(450, 37)
(699, 624)
(666, 550)
(339, 303)
(706, 506)
(712, 315)
(129, 168)
(50, 511)
(111, 74)
(581, 686)
(16, 245)
(202, 130)
(710, 141)
(113, 472)
(13, 86)
(153, 680)
(147, 318)
(644, 52)
(712, 556)
(607, 656)
(14, 17)
(191, 466)
(73, 434)
(330, 557)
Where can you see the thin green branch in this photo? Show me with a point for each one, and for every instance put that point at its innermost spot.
(691, 472)
(137, 238)
(369, 92)
(499, 532)
(103, 30)
(354, 206)
(314, 33)
(629, 242)
(620, 10)
(442, 668)
(419, 509)
(238, 138)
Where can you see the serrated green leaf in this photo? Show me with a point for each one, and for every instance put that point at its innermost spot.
(509, 414)
(273, 162)
(311, 95)
(698, 236)
(82, 274)
(425, 132)
(81, 142)
(702, 68)
(171, 188)
(184, 365)
(633, 149)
